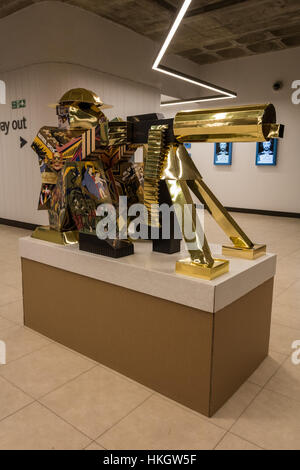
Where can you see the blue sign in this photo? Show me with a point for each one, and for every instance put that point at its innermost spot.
(223, 153)
(266, 153)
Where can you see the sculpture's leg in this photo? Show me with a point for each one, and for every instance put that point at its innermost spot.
(201, 263)
(83, 208)
(242, 247)
(156, 192)
(172, 244)
(61, 229)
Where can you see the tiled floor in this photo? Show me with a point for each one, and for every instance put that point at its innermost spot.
(53, 398)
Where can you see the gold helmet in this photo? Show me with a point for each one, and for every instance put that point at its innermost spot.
(80, 109)
(81, 95)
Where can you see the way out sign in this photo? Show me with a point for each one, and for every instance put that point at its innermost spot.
(18, 104)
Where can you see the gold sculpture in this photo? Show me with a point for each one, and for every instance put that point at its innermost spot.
(87, 147)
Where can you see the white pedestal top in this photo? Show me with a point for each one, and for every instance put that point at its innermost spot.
(154, 273)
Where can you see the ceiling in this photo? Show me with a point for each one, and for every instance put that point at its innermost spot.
(212, 31)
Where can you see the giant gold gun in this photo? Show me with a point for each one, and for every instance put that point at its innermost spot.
(167, 160)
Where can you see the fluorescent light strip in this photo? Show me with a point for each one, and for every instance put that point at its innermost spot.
(223, 93)
(172, 32)
(199, 83)
(197, 100)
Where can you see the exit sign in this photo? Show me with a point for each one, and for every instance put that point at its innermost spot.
(18, 104)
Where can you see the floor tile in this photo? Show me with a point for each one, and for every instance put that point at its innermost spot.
(11, 399)
(21, 341)
(5, 324)
(291, 296)
(36, 428)
(272, 421)
(9, 294)
(289, 268)
(231, 442)
(94, 446)
(232, 410)
(95, 401)
(281, 284)
(11, 276)
(158, 424)
(267, 369)
(282, 338)
(44, 370)
(286, 315)
(13, 312)
(269, 419)
(287, 380)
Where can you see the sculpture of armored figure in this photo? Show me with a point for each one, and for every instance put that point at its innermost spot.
(83, 166)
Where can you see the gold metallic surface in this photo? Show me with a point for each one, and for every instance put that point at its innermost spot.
(60, 238)
(181, 196)
(178, 165)
(246, 253)
(156, 155)
(181, 175)
(275, 131)
(82, 95)
(254, 123)
(174, 165)
(117, 133)
(49, 178)
(104, 133)
(220, 214)
(82, 120)
(189, 268)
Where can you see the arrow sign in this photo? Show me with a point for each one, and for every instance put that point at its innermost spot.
(23, 142)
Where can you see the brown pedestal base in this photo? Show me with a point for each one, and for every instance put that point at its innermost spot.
(197, 358)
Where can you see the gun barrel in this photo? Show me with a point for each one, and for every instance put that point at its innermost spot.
(254, 123)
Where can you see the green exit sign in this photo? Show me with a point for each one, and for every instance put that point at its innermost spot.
(18, 104)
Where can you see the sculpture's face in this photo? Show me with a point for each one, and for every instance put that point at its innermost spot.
(57, 162)
(78, 115)
(267, 146)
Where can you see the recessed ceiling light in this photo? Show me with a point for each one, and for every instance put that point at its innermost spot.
(222, 92)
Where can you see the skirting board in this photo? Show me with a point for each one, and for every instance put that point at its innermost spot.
(292, 215)
(18, 224)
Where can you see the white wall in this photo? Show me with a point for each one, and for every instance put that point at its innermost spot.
(244, 185)
(40, 85)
